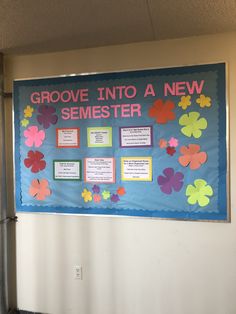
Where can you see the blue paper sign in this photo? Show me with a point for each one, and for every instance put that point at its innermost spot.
(148, 143)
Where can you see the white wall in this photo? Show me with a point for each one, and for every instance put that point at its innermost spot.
(131, 266)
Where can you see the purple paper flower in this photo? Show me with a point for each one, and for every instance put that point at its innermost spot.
(47, 116)
(115, 198)
(171, 181)
(96, 189)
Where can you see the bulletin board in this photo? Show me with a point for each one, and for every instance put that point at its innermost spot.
(149, 143)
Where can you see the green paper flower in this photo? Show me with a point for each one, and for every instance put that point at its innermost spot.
(106, 195)
(24, 122)
(192, 125)
(199, 192)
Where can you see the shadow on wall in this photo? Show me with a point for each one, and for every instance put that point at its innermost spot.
(24, 312)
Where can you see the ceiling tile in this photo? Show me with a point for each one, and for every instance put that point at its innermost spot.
(72, 24)
(174, 19)
(28, 26)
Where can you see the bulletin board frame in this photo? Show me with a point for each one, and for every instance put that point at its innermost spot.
(223, 216)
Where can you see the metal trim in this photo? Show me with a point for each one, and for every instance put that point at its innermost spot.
(228, 220)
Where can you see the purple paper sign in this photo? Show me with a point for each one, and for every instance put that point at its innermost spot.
(136, 136)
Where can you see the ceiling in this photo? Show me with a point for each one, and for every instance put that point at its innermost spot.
(31, 26)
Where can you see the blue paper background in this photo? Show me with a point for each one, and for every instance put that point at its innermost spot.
(141, 198)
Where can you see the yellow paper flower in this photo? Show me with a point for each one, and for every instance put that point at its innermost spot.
(87, 195)
(185, 102)
(24, 122)
(204, 101)
(28, 112)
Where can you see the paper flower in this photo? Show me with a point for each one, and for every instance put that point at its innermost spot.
(192, 125)
(24, 122)
(35, 161)
(199, 192)
(28, 112)
(162, 111)
(97, 198)
(34, 136)
(162, 143)
(96, 189)
(115, 198)
(173, 142)
(106, 194)
(185, 102)
(39, 189)
(170, 181)
(192, 156)
(87, 195)
(47, 116)
(204, 101)
(121, 191)
(170, 150)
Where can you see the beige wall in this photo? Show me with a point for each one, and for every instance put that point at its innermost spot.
(131, 266)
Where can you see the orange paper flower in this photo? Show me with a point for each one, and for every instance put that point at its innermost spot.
(192, 156)
(162, 143)
(39, 189)
(121, 191)
(162, 111)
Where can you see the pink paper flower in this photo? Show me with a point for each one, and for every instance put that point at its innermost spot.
(33, 136)
(97, 198)
(39, 189)
(173, 142)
